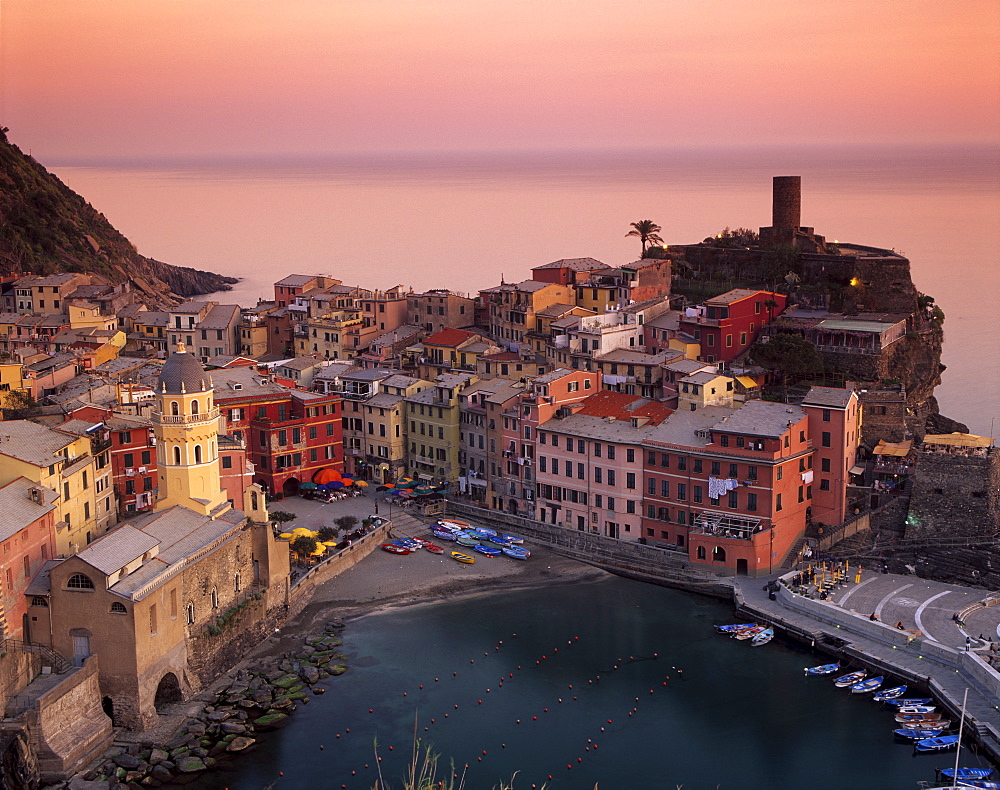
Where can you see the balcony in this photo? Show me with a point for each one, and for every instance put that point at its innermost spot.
(727, 525)
(181, 419)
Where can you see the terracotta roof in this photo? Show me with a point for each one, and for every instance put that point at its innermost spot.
(448, 337)
(623, 406)
(575, 264)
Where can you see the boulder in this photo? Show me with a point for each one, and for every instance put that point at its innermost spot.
(191, 765)
(127, 761)
(287, 681)
(271, 721)
(309, 674)
(157, 756)
(196, 727)
(161, 773)
(230, 727)
(240, 743)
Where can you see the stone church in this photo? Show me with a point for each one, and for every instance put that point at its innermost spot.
(173, 597)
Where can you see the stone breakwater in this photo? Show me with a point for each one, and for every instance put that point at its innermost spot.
(255, 699)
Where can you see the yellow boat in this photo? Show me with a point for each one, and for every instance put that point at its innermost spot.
(457, 555)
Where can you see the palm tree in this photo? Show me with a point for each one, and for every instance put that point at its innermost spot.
(647, 231)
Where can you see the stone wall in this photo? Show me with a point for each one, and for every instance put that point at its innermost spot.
(954, 495)
(67, 726)
(17, 669)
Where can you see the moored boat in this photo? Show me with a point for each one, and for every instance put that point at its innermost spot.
(823, 669)
(887, 694)
(454, 523)
(512, 538)
(938, 744)
(850, 679)
(867, 685)
(489, 551)
(748, 633)
(463, 558)
(489, 533)
(442, 534)
(762, 638)
(500, 540)
(392, 548)
(728, 629)
(915, 733)
(433, 548)
(898, 703)
(516, 552)
(965, 773)
(916, 709)
(466, 540)
(407, 543)
(905, 717)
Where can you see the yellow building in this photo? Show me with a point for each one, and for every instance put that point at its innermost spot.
(11, 381)
(84, 315)
(385, 426)
(433, 428)
(62, 461)
(186, 425)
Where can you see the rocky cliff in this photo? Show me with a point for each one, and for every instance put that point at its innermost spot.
(45, 227)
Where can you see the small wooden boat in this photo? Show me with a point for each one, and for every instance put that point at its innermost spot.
(887, 694)
(489, 551)
(823, 669)
(500, 540)
(516, 552)
(965, 784)
(453, 523)
(748, 633)
(728, 629)
(392, 548)
(489, 533)
(915, 734)
(512, 538)
(442, 534)
(905, 718)
(433, 548)
(916, 709)
(899, 702)
(867, 685)
(938, 744)
(965, 773)
(850, 679)
(466, 540)
(406, 543)
(762, 638)
(937, 726)
(464, 558)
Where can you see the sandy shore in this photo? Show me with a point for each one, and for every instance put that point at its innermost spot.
(384, 580)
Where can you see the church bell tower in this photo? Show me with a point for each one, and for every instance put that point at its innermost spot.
(186, 426)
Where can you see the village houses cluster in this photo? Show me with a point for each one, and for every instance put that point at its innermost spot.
(142, 445)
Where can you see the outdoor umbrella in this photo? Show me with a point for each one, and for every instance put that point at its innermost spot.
(361, 483)
(336, 484)
(327, 475)
(307, 486)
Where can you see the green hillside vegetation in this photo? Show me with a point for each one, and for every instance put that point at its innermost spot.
(46, 227)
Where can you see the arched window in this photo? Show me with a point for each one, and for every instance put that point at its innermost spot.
(194, 406)
(38, 600)
(197, 453)
(117, 607)
(701, 552)
(177, 455)
(189, 613)
(236, 581)
(718, 554)
(175, 409)
(79, 581)
(215, 599)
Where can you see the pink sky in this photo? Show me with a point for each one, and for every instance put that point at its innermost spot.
(106, 78)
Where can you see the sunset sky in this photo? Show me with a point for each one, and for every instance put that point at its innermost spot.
(145, 78)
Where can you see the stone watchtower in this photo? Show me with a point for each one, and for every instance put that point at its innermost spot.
(186, 426)
(786, 218)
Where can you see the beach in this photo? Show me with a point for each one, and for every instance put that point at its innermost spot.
(382, 581)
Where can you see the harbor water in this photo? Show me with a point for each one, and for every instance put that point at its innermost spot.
(613, 682)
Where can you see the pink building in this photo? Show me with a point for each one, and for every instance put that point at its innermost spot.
(728, 324)
(590, 464)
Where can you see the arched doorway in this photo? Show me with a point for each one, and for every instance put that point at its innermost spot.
(108, 706)
(168, 690)
(512, 507)
(718, 554)
(290, 487)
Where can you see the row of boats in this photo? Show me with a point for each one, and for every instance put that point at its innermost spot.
(757, 634)
(481, 540)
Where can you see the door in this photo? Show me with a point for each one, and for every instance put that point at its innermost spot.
(81, 649)
(741, 567)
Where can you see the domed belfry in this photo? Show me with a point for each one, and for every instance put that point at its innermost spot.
(186, 426)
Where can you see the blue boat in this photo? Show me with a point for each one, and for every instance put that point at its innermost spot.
(443, 534)
(939, 744)
(914, 734)
(512, 538)
(899, 701)
(823, 669)
(867, 685)
(728, 629)
(966, 773)
(489, 551)
(516, 552)
(490, 533)
(500, 540)
(887, 694)
(849, 679)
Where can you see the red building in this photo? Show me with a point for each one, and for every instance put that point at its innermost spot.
(28, 537)
(735, 488)
(728, 324)
(289, 434)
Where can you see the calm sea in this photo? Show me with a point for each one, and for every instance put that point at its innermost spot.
(464, 221)
(733, 718)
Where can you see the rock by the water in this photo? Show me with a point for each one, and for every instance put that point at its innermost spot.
(126, 761)
(191, 765)
(240, 743)
(270, 721)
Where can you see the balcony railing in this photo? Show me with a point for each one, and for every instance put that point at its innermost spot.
(186, 419)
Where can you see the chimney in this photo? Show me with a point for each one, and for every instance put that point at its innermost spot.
(36, 496)
(786, 208)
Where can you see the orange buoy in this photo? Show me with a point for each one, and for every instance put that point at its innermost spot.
(347, 729)
(421, 685)
(484, 751)
(390, 748)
